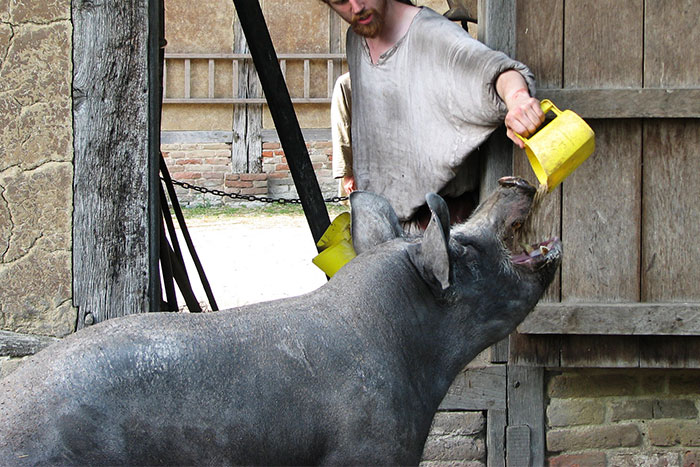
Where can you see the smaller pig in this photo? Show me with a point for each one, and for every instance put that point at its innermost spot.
(351, 373)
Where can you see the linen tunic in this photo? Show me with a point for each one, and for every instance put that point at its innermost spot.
(419, 112)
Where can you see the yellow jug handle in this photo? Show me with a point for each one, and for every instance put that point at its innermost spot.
(546, 105)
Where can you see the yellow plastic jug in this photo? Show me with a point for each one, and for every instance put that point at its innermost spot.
(335, 245)
(559, 147)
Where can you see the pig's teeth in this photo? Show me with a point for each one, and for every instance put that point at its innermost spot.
(527, 249)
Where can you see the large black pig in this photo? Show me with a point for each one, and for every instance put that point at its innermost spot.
(351, 373)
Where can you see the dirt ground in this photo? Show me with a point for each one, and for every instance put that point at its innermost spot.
(250, 259)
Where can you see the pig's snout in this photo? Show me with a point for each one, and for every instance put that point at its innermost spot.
(517, 182)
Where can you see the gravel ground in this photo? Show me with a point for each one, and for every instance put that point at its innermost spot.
(251, 259)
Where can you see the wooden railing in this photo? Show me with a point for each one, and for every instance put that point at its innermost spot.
(335, 66)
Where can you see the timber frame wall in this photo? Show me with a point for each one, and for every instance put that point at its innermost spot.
(628, 293)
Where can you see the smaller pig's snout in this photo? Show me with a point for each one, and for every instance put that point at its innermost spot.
(517, 182)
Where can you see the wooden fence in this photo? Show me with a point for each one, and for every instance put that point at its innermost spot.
(334, 65)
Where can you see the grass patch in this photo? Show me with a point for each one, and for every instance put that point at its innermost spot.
(266, 210)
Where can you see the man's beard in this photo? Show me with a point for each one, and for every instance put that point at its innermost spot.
(374, 27)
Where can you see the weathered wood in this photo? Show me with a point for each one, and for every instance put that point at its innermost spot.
(600, 351)
(13, 344)
(525, 409)
(496, 437)
(540, 36)
(627, 103)
(675, 319)
(111, 217)
(246, 151)
(669, 352)
(603, 49)
(518, 446)
(477, 389)
(534, 350)
(671, 54)
(671, 217)
(603, 233)
(496, 30)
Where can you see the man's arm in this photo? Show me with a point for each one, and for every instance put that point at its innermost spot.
(524, 112)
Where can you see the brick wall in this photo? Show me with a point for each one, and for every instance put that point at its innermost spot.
(209, 165)
(623, 418)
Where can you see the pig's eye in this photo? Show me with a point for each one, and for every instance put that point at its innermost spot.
(516, 225)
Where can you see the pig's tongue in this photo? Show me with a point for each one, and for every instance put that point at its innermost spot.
(533, 253)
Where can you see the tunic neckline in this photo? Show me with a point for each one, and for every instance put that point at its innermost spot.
(391, 50)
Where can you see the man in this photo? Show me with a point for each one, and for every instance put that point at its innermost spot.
(424, 96)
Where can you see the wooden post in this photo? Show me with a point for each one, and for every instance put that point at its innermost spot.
(246, 150)
(497, 30)
(113, 187)
(280, 104)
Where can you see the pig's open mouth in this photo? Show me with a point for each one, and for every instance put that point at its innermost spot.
(537, 255)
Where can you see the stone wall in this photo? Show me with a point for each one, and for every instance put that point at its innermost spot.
(623, 418)
(35, 167)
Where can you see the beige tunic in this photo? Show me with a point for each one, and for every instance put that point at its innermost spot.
(421, 110)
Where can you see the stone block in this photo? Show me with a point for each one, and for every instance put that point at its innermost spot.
(454, 448)
(674, 432)
(675, 408)
(643, 459)
(25, 11)
(571, 412)
(588, 459)
(570, 385)
(28, 73)
(458, 423)
(593, 437)
(633, 409)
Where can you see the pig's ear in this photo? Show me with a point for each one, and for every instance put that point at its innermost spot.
(373, 221)
(431, 256)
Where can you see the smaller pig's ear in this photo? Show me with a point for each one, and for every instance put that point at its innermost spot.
(431, 256)
(374, 221)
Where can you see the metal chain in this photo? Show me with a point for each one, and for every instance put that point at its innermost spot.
(263, 199)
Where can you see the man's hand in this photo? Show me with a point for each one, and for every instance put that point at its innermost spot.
(524, 112)
(349, 184)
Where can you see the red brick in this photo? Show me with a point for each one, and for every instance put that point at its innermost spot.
(278, 175)
(253, 191)
(268, 154)
(250, 177)
(188, 161)
(279, 167)
(233, 177)
(213, 175)
(271, 145)
(594, 437)
(589, 459)
(239, 184)
(186, 175)
(216, 160)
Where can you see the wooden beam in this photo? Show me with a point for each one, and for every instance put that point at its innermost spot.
(477, 389)
(113, 173)
(669, 319)
(626, 103)
(525, 416)
(13, 344)
(282, 111)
